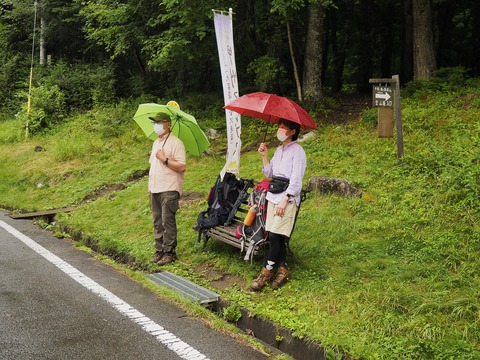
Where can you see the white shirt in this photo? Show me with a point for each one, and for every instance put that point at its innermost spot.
(289, 162)
(160, 177)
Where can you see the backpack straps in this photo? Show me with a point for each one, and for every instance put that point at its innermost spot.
(199, 227)
(242, 196)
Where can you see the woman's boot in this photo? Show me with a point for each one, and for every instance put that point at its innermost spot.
(283, 275)
(262, 279)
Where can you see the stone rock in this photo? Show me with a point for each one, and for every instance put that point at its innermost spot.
(212, 133)
(326, 185)
(306, 136)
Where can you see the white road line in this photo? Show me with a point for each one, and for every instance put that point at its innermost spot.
(165, 337)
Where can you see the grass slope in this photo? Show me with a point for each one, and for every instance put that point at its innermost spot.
(391, 275)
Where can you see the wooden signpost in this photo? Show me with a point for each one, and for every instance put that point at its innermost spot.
(387, 104)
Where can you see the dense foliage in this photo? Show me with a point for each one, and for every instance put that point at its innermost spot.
(168, 49)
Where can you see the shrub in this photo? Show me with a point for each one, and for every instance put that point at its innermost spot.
(10, 75)
(268, 72)
(370, 116)
(232, 313)
(207, 109)
(47, 108)
(84, 85)
(444, 79)
(110, 120)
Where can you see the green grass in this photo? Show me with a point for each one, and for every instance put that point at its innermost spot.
(391, 275)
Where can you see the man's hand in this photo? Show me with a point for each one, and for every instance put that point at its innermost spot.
(160, 155)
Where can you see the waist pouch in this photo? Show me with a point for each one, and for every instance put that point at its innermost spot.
(278, 184)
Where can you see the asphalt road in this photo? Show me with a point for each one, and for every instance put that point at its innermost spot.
(57, 302)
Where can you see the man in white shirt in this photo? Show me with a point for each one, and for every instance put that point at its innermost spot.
(165, 183)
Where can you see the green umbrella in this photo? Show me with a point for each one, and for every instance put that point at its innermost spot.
(184, 126)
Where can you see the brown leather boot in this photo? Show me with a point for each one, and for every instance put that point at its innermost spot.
(283, 275)
(157, 257)
(167, 258)
(262, 279)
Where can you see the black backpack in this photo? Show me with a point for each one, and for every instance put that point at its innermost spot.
(223, 201)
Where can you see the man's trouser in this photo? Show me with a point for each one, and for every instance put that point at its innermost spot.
(164, 207)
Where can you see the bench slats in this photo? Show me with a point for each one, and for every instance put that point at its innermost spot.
(226, 234)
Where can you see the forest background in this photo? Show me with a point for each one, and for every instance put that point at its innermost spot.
(396, 274)
(89, 52)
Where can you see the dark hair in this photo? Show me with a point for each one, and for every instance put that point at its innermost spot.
(291, 125)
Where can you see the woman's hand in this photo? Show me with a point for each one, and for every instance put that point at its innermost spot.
(280, 209)
(263, 149)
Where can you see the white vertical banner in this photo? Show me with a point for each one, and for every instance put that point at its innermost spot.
(226, 53)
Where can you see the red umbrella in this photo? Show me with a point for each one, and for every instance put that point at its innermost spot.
(271, 107)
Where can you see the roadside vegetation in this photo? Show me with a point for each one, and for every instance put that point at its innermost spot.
(393, 274)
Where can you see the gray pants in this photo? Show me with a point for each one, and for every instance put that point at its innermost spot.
(164, 207)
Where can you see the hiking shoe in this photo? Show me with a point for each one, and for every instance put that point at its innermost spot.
(283, 275)
(262, 279)
(167, 258)
(157, 257)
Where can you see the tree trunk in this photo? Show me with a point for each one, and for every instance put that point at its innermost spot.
(423, 48)
(339, 44)
(406, 72)
(445, 29)
(42, 42)
(366, 51)
(312, 73)
(294, 63)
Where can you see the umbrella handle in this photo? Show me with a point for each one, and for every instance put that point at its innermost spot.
(166, 139)
(266, 130)
(176, 120)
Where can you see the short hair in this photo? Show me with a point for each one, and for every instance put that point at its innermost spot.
(291, 125)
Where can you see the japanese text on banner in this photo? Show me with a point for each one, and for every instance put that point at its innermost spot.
(226, 53)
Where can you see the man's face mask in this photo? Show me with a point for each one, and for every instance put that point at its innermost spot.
(158, 128)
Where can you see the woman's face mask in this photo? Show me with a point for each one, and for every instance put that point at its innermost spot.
(282, 134)
(158, 128)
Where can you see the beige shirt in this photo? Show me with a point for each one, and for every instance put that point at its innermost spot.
(161, 178)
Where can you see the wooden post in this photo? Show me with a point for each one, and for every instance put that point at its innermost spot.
(398, 116)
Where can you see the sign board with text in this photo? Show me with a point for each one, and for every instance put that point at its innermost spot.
(387, 100)
(382, 95)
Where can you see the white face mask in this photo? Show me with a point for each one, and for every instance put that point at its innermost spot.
(281, 134)
(158, 128)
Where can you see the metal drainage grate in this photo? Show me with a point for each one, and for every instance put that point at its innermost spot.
(187, 288)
